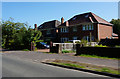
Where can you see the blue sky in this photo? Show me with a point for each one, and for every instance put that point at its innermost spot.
(40, 12)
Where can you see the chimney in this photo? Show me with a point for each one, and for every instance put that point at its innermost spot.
(35, 26)
(62, 20)
(67, 23)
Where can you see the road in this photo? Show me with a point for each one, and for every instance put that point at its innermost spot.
(16, 67)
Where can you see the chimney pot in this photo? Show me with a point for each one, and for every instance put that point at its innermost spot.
(67, 23)
(35, 26)
(62, 20)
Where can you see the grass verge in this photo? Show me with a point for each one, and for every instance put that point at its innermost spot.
(86, 66)
(95, 56)
(49, 52)
(67, 51)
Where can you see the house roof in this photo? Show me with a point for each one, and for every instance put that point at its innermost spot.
(49, 24)
(85, 18)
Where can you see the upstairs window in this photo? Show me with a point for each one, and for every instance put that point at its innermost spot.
(48, 32)
(64, 29)
(74, 29)
(83, 27)
(88, 27)
(92, 28)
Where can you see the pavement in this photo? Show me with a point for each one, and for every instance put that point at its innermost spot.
(39, 57)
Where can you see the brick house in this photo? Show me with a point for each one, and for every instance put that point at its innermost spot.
(84, 26)
(48, 30)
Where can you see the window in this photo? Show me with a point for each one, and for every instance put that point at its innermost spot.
(75, 38)
(83, 27)
(92, 38)
(88, 27)
(74, 29)
(88, 38)
(64, 29)
(64, 39)
(92, 28)
(48, 32)
(74, 18)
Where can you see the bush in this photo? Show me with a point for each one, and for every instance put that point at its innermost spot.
(101, 45)
(26, 50)
(84, 42)
(65, 51)
(68, 42)
(118, 46)
(35, 48)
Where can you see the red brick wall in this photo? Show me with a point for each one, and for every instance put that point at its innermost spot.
(80, 33)
(105, 31)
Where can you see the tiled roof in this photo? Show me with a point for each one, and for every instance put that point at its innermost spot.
(100, 20)
(49, 24)
(85, 18)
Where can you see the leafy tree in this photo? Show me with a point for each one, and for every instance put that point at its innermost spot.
(17, 36)
(32, 36)
(116, 25)
(9, 31)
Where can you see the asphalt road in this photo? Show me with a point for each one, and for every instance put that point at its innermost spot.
(16, 67)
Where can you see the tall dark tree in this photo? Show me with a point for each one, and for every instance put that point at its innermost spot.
(116, 25)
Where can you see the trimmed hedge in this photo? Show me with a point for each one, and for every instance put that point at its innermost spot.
(99, 51)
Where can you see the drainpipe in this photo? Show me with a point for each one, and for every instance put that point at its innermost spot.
(98, 31)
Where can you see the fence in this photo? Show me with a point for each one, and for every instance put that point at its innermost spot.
(66, 46)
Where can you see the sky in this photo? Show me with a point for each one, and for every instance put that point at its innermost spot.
(40, 12)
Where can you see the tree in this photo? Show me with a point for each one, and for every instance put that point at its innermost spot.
(31, 36)
(10, 30)
(116, 25)
(18, 35)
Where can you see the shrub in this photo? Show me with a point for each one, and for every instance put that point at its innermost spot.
(84, 42)
(101, 45)
(26, 50)
(68, 42)
(65, 51)
(118, 46)
(35, 48)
